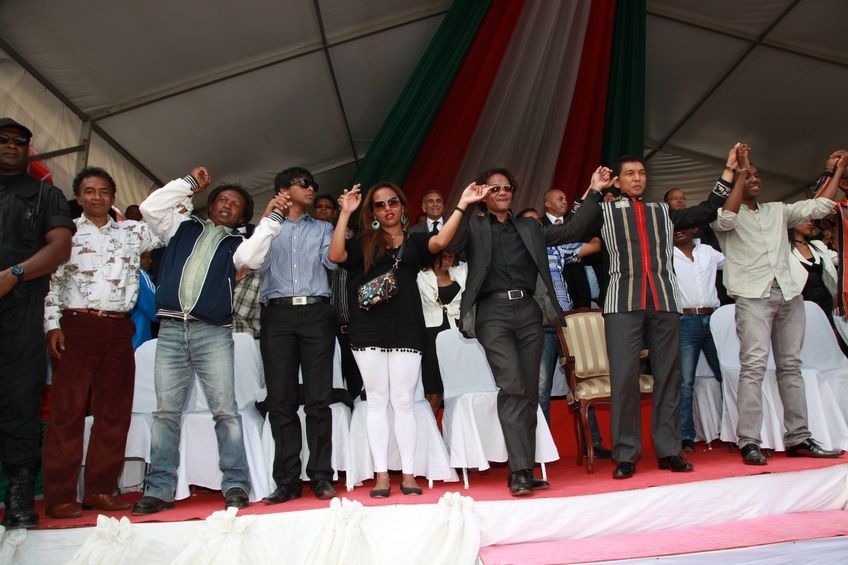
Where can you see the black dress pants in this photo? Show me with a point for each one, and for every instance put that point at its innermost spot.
(511, 333)
(292, 338)
(23, 372)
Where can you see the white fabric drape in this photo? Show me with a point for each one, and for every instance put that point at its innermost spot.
(453, 536)
(226, 539)
(341, 539)
(10, 542)
(523, 122)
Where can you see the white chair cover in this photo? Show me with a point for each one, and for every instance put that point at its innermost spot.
(470, 421)
(819, 356)
(706, 404)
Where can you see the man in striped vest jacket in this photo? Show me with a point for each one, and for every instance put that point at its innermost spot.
(641, 304)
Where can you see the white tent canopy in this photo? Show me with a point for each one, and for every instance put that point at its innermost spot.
(250, 88)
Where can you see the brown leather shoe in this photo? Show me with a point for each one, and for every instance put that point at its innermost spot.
(105, 502)
(64, 511)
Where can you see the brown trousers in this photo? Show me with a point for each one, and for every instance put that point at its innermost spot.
(98, 359)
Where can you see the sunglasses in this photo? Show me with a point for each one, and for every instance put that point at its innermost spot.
(495, 188)
(392, 202)
(19, 140)
(305, 183)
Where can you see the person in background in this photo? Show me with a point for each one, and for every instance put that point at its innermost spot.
(388, 337)
(441, 289)
(532, 214)
(35, 238)
(433, 208)
(324, 208)
(143, 314)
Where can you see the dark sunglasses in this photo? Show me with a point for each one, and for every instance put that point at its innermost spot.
(495, 188)
(392, 202)
(305, 183)
(19, 140)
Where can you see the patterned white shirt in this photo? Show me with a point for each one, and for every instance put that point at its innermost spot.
(102, 271)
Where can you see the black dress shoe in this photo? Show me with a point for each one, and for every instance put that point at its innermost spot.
(323, 489)
(752, 455)
(601, 452)
(688, 446)
(282, 494)
(624, 470)
(521, 483)
(810, 448)
(150, 505)
(235, 497)
(675, 464)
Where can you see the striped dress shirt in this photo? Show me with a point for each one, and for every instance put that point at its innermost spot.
(297, 263)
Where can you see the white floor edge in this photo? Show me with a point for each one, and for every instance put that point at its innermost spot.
(449, 532)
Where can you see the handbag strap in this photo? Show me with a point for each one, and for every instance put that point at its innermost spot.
(399, 253)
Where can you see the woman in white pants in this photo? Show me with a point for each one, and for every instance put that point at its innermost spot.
(387, 335)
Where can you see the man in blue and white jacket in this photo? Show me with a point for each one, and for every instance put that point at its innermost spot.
(195, 304)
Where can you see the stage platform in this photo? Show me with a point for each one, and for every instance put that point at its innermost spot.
(581, 518)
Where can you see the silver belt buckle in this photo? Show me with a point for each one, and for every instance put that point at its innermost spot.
(298, 300)
(514, 294)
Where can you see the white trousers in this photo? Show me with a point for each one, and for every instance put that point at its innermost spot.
(390, 377)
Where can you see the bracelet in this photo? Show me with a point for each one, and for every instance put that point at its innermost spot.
(829, 173)
(741, 170)
(460, 210)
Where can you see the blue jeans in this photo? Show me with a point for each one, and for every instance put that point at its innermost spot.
(185, 348)
(551, 354)
(695, 337)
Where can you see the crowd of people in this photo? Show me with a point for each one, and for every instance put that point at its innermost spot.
(305, 278)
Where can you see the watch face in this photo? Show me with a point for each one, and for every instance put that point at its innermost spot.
(17, 270)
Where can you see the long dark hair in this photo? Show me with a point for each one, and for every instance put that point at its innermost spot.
(375, 242)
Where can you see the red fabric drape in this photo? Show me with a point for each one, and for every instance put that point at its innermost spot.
(580, 152)
(441, 154)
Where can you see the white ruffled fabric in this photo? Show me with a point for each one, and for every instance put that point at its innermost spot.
(10, 541)
(340, 541)
(226, 540)
(453, 537)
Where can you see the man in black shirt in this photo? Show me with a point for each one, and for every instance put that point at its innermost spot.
(35, 237)
(506, 255)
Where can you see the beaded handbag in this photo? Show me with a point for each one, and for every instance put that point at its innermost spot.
(380, 289)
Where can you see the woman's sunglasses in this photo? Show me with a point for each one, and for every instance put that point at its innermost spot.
(393, 202)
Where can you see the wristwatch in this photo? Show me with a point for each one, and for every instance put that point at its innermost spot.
(18, 271)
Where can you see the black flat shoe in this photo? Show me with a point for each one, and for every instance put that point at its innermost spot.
(415, 491)
(282, 494)
(810, 448)
(236, 498)
(751, 455)
(675, 464)
(624, 470)
(521, 483)
(381, 492)
(150, 505)
(323, 489)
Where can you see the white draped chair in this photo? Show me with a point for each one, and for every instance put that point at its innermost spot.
(431, 455)
(706, 403)
(340, 458)
(470, 420)
(198, 443)
(823, 368)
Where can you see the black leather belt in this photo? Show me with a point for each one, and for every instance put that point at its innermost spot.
(297, 300)
(510, 294)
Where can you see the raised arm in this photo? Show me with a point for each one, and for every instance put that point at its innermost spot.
(723, 194)
(472, 194)
(348, 202)
(835, 169)
(575, 226)
(166, 208)
(251, 253)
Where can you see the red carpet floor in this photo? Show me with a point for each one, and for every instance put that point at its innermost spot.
(567, 479)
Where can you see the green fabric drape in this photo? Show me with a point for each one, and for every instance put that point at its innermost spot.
(624, 123)
(396, 145)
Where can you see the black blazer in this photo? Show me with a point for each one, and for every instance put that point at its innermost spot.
(474, 237)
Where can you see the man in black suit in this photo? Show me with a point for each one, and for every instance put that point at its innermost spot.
(506, 255)
(433, 208)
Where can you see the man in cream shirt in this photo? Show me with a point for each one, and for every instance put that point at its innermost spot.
(769, 308)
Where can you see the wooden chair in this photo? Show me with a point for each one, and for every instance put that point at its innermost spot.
(584, 348)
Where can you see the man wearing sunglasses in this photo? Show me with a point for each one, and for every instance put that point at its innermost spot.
(299, 332)
(35, 237)
(506, 256)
